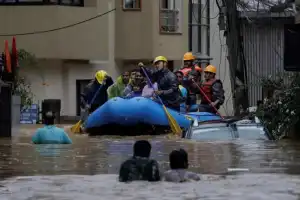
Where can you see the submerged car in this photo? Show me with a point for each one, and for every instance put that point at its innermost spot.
(228, 129)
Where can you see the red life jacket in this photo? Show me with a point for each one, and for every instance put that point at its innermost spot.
(186, 70)
(207, 89)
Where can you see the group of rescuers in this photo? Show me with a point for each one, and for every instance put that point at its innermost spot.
(178, 90)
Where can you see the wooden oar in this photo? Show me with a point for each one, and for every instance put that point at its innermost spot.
(172, 122)
(76, 128)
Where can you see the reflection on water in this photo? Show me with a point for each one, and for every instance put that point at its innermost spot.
(100, 156)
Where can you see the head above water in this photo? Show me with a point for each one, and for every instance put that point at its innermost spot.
(142, 148)
(178, 159)
(49, 118)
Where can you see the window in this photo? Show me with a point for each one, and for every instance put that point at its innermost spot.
(251, 132)
(212, 133)
(132, 5)
(42, 2)
(170, 16)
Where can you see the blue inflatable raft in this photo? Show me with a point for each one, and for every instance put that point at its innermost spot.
(118, 112)
(137, 116)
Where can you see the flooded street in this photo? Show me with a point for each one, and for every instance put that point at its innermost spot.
(88, 169)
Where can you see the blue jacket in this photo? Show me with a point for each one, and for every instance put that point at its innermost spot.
(50, 134)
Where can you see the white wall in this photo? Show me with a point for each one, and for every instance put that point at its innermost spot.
(55, 80)
(218, 51)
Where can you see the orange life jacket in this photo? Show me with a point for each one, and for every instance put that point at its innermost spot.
(207, 89)
(185, 71)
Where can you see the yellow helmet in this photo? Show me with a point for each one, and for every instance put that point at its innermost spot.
(160, 58)
(100, 75)
(188, 56)
(211, 69)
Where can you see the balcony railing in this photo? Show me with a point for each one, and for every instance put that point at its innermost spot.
(169, 21)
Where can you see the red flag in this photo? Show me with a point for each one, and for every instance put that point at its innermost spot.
(7, 57)
(14, 53)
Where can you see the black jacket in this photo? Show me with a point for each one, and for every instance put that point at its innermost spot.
(168, 83)
(91, 89)
(138, 168)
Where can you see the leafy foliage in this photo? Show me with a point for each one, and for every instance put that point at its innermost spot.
(281, 110)
(23, 86)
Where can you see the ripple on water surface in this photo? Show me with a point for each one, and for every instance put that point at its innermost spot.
(26, 166)
(74, 187)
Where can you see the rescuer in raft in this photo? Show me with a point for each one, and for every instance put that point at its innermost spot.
(116, 90)
(168, 86)
(183, 90)
(213, 90)
(99, 85)
(188, 64)
(191, 83)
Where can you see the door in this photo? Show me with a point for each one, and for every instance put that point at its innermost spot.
(80, 85)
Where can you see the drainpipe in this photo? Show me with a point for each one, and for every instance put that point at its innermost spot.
(208, 28)
(190, 25)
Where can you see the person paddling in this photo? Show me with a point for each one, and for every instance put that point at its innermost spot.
(102, 81)
(168, 86)
(50, 134)
(212, 92)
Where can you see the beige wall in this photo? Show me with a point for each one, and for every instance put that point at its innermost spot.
(54, 79)
(85, 41)
(138, 35)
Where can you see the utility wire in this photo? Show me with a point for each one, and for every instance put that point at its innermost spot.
(57, 29)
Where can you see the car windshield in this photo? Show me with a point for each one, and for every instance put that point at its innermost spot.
(213, 132)
(251, 132)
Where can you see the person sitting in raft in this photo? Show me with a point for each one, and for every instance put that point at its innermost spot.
(191, 83)
(50, 134)
(140, 167)
(183, 90)
(116, 90)
(148, 90)
(179, 164)
(136, 81)
(168, 86)
(136, 91)
(101, 82)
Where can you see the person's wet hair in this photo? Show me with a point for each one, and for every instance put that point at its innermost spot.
(178, 159)
(142, 148)
(49, 118)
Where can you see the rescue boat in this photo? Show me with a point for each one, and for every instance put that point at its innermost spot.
(136, 116)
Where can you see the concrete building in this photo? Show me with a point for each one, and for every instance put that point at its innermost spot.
(121, 33)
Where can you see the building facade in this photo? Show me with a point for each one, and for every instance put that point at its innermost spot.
(72, 39)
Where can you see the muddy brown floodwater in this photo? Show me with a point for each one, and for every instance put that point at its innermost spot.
(87, 169)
